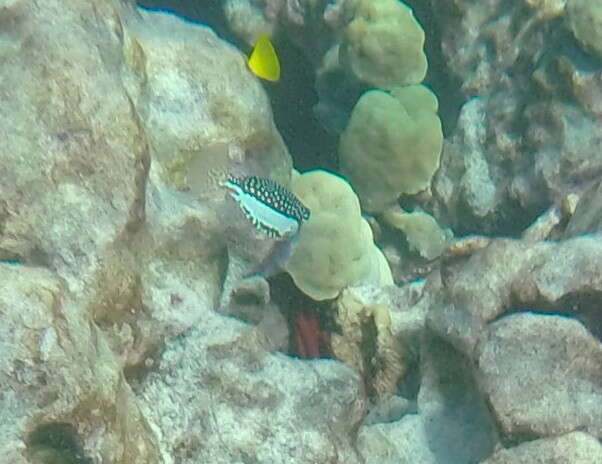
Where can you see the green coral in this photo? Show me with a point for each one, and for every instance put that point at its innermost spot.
(423, 233)
(335, 247)
(391, 145)
(383, 45)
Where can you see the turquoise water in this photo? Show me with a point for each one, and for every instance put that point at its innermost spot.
(389, 254)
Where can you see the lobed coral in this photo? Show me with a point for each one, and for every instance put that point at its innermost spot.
(335, 247)
(383, 45)
(423, 233)
(391, 145)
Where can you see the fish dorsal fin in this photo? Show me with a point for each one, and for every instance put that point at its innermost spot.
(263, 61)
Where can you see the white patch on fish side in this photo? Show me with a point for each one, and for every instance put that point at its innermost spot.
(263, 216)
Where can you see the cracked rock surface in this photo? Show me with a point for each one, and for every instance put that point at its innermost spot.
(126, 334)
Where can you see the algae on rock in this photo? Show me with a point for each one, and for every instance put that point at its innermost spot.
(194, 92)
(367, 343)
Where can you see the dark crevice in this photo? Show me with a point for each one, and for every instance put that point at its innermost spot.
(461, 410)
(583, 306)
(56, 443)
(136, 374)
(408, 386)
(293, 303)
(293, 99)
(439, 77)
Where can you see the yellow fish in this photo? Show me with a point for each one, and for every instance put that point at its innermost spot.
(263, 61)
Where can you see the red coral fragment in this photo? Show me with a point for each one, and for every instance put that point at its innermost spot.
(307, 335)
(311, 339)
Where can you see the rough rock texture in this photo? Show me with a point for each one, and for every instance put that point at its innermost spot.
(588, 214)
(103, 260)
(206, 116)
(58, 368)
(574, 447)
(522, 143)
(544, 275)
(111, 270)
(585, 21)
(194, 92)
(74, 157)
(496, 179)
(448, 421)
(482, 42)
(540, 373)
(585, 84)
(248, 405)
(181, 262)
(324, 18)
(549, 347)
(511, 353)
(401, 442)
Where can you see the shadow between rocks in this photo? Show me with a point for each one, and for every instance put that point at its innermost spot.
(457, 421)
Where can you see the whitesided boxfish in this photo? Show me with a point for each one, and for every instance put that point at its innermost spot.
(269, 206)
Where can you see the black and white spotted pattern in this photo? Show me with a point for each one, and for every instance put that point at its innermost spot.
(269, 206)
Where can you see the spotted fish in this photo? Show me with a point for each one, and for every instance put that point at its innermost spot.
(269, 206)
